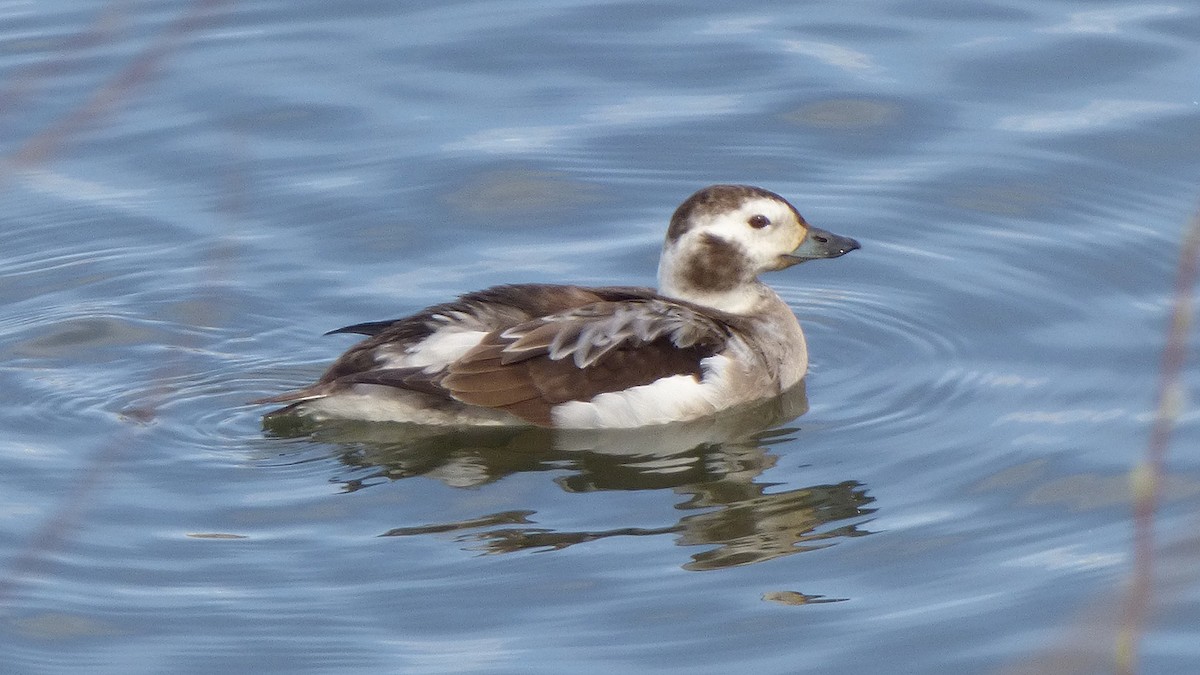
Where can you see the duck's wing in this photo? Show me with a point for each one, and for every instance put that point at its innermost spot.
(578, 354)
(436, 336)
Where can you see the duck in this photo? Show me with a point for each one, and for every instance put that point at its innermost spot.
(712, 337)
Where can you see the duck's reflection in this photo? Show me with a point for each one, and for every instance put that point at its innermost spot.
(714, 463)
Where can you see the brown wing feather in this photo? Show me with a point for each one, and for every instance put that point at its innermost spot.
(561, 381)
(529, 369)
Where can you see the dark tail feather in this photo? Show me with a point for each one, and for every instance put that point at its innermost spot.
(369, 328)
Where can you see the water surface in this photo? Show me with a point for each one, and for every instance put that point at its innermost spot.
(194, 192)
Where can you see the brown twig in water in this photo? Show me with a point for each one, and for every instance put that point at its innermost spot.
(1102, 624)
(38, 150)
(1147, 477)
(101, 30)
(62, 520)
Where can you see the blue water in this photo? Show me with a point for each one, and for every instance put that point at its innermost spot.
(193, 192)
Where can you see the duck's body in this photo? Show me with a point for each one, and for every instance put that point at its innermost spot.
(712, 337)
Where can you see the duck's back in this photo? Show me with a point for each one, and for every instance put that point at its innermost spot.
(437, 335)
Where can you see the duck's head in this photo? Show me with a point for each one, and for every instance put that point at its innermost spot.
(724, 236)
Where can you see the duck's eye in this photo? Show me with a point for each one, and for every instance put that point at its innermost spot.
(759, 221)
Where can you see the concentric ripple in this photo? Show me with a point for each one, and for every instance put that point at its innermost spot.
(854, 336)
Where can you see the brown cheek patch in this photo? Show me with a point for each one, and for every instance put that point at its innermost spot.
(718, 265)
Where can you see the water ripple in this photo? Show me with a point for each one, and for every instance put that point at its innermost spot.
(854, 337)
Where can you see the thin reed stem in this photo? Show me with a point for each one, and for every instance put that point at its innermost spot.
(1147, 477)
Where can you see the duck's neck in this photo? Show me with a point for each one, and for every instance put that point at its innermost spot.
(744, 298)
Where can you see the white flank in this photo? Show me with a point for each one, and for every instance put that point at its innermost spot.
(375, 403)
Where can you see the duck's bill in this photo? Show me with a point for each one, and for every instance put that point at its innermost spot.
(821, 244)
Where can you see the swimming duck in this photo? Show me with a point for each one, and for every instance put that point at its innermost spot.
(712, 337)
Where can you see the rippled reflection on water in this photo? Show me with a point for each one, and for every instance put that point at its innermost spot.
(716, 463)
